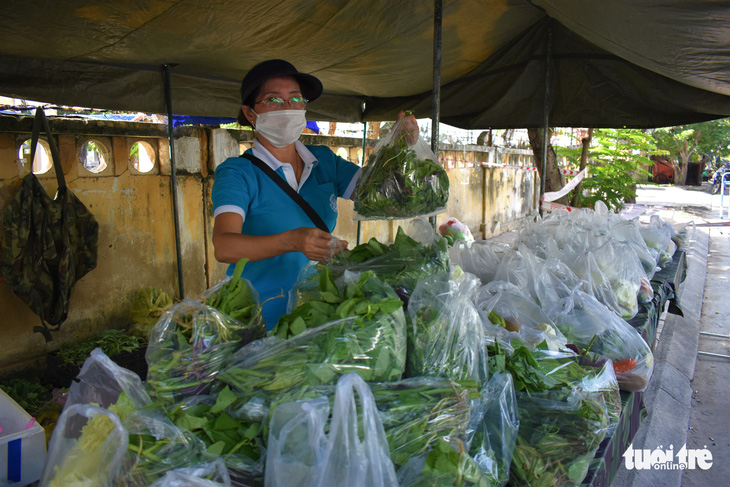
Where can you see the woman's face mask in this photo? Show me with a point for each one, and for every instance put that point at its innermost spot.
(281, 127)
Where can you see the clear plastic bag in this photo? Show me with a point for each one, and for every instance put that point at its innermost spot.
(481, 258)
(187, 350)
(210, 474)
(493, 426)
(559, 434)
(658, 236)
(445, 334)
(156, 446)
(454, 230)
(507, 313)
(401, 179)
(586, 322)
(353, 453)
(86, 448)
(215, 421)
(101, 381)
(375, 349)
(411, 257)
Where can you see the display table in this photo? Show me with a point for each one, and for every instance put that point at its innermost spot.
(608, 457)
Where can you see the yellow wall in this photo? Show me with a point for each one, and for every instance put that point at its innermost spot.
(136, 231)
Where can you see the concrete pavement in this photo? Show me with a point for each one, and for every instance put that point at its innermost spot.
(687, 397)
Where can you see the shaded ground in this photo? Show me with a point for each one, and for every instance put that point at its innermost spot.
(709, 424)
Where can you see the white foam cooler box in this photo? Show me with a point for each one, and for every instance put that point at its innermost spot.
(22, 444)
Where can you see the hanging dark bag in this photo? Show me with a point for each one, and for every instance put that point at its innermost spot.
(48, 244)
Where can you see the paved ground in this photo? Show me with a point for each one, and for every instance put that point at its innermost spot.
(687, 399)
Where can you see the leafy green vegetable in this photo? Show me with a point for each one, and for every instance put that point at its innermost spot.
(30, 394)
(371, 343)
(111, 342)
(366, 300)
(397, 183)
(238, 442)
(148, 305)
(403, 264)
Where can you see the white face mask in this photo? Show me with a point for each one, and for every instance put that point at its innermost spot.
(281, 127)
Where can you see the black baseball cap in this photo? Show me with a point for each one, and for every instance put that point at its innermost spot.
(310, 85)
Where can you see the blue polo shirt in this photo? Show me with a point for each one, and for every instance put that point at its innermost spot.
(240, 187)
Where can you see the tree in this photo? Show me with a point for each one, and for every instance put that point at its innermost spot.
(618, 158)
(687, 142)
(552, 177)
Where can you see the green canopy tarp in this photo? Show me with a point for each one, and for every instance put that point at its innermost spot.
(642, 64)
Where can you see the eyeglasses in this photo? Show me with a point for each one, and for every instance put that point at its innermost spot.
(274, 102)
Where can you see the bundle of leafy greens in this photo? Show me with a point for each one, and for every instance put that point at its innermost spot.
(565, 410)
(370, 340)
(238, 442)
(147, 306)
(400, 180)
(188, 348)
(445, 333)
(237, 299)
(111, 342)
(402, 264)
(365, 298)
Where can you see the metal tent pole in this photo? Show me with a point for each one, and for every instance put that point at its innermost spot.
(364, 138)
(546, 111)
(173, 179)
(438, 12)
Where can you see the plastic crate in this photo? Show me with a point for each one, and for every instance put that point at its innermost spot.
(22, 448)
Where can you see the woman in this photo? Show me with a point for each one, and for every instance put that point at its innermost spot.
(254, 217)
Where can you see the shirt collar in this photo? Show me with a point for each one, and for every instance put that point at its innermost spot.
(262, 153)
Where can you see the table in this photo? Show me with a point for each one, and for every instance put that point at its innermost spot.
(607, 461)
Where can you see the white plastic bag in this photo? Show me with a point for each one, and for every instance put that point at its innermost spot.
(301, 455)
(86, 448)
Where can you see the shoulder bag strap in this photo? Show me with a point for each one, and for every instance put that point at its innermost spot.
(38, 120)
(311, 213)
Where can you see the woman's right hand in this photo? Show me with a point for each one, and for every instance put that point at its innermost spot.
(316, 244)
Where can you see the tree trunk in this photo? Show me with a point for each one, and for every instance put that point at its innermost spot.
(553, 178)
(333, 128)
(586, 142)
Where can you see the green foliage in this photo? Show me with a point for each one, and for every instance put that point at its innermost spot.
(618, 158)
(111, 342)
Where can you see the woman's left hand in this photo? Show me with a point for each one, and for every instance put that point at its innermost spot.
(409, 127)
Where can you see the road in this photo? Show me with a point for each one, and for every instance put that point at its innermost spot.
(709, 415)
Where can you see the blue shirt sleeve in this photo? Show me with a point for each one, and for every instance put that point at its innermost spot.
(229, 186)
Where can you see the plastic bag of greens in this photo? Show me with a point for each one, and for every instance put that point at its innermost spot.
(445, 334)
(401, 179)
(446, 464)
(236, 297)
(658, 236)
(507, 313)
(237, 440)
(481, 258)
(629, 231)
(493, 426)
(560, 432)
(156, 446)
(211, 474)
(354, 451)
(296, 442)
(187, 349)
(585, 267)
(86, 448)
(101, 381)
(147, 306)
(369, 340)
(318, 298)
(402, 264)
(589, 325)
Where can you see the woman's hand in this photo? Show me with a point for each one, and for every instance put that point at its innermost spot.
(409, 128)
(316, 244)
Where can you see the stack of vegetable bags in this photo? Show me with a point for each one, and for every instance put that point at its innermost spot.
(401, 179)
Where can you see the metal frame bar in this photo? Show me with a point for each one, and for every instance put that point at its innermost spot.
(173, 179)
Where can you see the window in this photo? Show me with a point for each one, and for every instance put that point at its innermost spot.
(42, 162)
(94, 156)
(142, 157)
